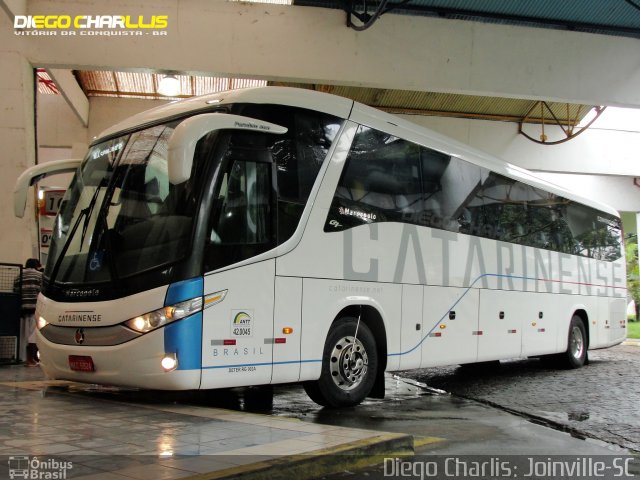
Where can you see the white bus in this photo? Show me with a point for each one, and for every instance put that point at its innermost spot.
(276, 235)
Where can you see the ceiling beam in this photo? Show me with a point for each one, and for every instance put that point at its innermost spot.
(71, 92)
(14, 7)
(311, 45)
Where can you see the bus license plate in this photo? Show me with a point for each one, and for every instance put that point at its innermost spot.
(80, 363)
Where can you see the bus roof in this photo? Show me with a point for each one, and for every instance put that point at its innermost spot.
(347, 109)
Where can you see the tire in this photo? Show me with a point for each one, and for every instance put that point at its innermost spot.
(576, 354)
(348, 368)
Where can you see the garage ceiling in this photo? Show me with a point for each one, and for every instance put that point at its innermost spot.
(608, 17)
(100, 83)
(145, 85)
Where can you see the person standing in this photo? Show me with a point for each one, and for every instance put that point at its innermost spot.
(31, 283)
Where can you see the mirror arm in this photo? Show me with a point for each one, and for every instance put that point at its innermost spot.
(183, 140)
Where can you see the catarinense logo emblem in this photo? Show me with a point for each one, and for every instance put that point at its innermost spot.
(79, 336)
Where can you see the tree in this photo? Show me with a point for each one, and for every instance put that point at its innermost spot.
(633, 272)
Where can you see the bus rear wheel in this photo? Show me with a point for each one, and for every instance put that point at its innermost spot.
(349, 366)
(576, 354)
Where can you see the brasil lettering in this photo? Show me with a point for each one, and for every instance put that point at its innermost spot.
(235, 352)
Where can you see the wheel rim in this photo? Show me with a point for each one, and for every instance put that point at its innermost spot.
(348, 363)
(577, 342)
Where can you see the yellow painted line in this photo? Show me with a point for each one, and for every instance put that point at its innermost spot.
(324, 461)
(421, 441)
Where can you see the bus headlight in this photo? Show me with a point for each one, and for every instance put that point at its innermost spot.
(169, 362)
(158, 318)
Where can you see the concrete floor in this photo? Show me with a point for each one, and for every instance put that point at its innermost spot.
(117, 434)
(113, 434)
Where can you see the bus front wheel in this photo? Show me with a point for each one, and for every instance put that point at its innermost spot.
(349, 366)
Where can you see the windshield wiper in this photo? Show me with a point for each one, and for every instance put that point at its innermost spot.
(65, 247)
(86, 213)
(89, 211)
(106, 232)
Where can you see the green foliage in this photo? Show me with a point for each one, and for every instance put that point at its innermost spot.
(633, 330)
(633, 272)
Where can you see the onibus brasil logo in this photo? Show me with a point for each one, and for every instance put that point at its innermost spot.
(36, 469)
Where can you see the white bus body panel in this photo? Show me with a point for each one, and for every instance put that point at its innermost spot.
(245, 317)
(288, 314)
(132, 364)
(322, 302)
(114, 364)
(100, 314)
(412, 326)
(321, 102)
(446, 340)
(616, 314)
(502, 319)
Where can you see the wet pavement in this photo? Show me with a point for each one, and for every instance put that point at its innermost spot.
(600, 400)
(55, 430)
(518, 411)
(465, 426)
(520, 408)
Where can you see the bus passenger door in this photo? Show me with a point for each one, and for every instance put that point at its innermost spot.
(287, 329)
(237, 331)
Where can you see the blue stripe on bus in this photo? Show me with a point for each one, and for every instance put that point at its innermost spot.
(264, 364)
(184, 290)
(184, 338)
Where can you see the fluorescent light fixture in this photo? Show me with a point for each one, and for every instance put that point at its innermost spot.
(169, 86)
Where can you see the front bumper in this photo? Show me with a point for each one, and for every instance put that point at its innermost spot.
(132, 364)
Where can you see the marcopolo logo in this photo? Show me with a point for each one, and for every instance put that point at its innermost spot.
(241, 323)
(90, 25)
(36, 469)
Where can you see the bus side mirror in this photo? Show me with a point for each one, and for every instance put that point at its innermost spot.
(183, 140)
(35, 174)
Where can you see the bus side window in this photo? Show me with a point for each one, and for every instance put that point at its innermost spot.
(380, 182)
(297, 155)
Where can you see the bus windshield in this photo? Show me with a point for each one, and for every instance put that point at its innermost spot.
(121, 216)
(124, 226)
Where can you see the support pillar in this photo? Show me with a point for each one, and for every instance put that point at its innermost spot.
(17, 141)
